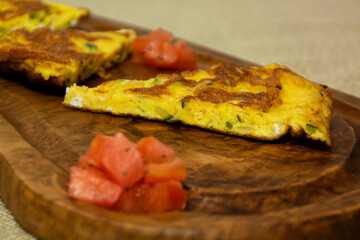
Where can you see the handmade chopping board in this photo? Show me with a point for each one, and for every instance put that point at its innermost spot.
(238, 188)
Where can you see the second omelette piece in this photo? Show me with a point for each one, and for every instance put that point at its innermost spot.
(258, 102)
(32, 14)
(60, 58)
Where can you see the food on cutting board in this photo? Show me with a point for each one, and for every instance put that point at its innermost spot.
(32, 14)
(263, 103)
(62, 57)
(141, 178)
(157, 50)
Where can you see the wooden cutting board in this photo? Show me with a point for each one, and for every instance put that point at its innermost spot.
(237, 188)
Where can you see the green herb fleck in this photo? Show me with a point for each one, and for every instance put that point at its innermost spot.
(68, 80)
(238, 118)
(183, 104)
(311, 128)
(91, 47)
(171, 117)
(71, 23)
(33, 15)
(155, 81)
(40, 16)
(229, 125)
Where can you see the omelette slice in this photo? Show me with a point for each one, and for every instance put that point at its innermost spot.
(62, 57)
(31, 14)
(257, 102)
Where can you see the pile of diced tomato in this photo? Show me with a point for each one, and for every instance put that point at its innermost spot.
(157, 50)
(139, 178)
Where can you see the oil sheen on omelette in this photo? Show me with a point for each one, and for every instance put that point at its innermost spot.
(264, 103)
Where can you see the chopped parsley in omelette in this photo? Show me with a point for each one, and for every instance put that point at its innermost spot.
(62, 57)
(32, 14)
(257, 102)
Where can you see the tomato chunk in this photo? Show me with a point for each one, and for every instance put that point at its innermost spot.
(85, 162)
(94, 152)
(160, 35)
(89, 187)
(161, 55)
(166, 196)
(140, 43)
(160, 172)
(146, 198)
(134, 199)
(157, 51)
(185, 59)
(153, 150)
(118, 157)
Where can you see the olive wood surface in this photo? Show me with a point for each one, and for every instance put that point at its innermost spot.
(238, 188)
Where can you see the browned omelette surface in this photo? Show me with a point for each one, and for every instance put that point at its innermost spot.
(257, 102)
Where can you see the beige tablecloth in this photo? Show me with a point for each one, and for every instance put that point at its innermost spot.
(317, 39)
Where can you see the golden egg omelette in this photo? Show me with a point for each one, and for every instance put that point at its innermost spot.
(257, 102)
(62, 57)
(31, 14)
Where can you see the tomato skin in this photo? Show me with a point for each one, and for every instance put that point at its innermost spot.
(140, 43)
(89, 187)
(153, 150)
(95, 153)
(177, 195)
(185, 59)
(134, 199)
(165, 171)
(166, 196)
(160, 35)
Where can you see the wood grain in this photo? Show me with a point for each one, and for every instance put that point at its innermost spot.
(238, 188)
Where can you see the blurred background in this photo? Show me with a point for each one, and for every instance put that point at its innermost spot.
(318, 39)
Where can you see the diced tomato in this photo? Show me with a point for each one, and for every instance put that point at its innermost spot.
(134, 199)
(86, 186)
(177, 195)
(124, 165)
(157, 51)
(130, 178)
(146, 198)
(153, 150)
(185, 59)
(161, 55)
(160, 35)
(166, 196)
(123, 162)
(95, 153)
(140, 43)
(85, 163)
(118, 157)
(165, 171)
